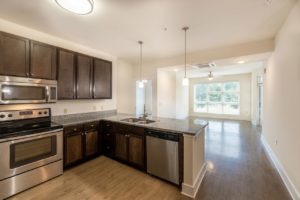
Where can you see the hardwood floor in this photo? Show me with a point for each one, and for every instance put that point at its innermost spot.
(102, 178)
(238, 169)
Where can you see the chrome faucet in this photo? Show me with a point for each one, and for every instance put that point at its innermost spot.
(145, 115)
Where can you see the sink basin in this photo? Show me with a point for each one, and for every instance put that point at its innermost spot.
(147, 121)
(138, 120)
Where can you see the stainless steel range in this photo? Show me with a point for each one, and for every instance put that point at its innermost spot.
(31, 149)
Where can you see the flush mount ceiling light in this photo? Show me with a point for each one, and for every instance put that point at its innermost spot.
(241, 62)
(185, 81)
(81, 7)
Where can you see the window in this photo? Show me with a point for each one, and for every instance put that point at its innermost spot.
(217, 98)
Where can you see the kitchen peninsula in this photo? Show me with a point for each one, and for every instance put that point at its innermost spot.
(114, 132)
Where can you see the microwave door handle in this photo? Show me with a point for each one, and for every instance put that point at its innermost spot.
(47, 94)
(1, 93)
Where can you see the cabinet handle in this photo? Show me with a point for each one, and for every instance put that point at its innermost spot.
(92, 125)
(107, 134)
(75, 129)
(107, 147)
(27, 74)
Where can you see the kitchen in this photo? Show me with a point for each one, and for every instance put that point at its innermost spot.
(70, 111)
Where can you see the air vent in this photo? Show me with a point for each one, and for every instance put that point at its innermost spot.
(204, 65)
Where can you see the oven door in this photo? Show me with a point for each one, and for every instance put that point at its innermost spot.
(27, 153)
(13, 93)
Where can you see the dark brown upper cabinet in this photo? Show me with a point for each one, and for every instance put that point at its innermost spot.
(102, 79)
(84, 77)
(14, 55)
(42, 61)
(66, 74)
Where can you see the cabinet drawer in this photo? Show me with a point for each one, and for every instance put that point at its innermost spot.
(91, 126)
(137, 131)
(108, 126)
(73, 129)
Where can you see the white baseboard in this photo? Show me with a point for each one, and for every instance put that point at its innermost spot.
(284, 176)
(191, 190)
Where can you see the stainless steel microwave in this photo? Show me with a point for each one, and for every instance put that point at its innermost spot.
(19, 90)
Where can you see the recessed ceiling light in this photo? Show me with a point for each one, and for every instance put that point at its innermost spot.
(176, 70)
(81, 7)
(241, 62)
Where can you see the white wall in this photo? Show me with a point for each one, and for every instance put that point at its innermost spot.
(182, 97)
(126, 87)
(245, 96)
(282, 98)
(71, 106)
(166, 93)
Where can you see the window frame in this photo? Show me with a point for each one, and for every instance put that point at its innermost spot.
(222, 102)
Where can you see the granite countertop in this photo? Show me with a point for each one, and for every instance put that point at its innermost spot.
(190, 125)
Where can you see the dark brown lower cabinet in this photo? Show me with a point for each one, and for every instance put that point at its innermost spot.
(121, 146)
(73, 148)
(136, 150)
(91, 143)
(81, 142)
(129, 145)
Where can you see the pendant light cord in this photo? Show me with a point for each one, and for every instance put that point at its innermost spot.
(185, 53)
(141, 58)
(185, 30)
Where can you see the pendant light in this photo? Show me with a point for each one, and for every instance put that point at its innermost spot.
(141, 82)
(185, 81)
(210, 76)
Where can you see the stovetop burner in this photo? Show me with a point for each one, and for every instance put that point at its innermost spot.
(19, 123)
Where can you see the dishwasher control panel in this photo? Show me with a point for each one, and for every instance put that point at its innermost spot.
(163, 135)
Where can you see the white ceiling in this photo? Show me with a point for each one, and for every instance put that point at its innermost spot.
(115, 26)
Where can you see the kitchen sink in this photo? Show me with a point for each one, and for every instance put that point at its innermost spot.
(138, 120)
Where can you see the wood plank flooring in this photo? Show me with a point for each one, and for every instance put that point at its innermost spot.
(238, 169)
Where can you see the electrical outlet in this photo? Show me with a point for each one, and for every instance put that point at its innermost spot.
(65, 110)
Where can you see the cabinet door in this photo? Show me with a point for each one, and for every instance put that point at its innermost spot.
(102, 79)
(66, 74)
(43, 61)
(91, 143)
(14, 55)
(83, 75)
(136, 150)
(121, 146)
(73, 148)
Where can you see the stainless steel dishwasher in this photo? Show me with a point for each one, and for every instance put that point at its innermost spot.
(162, 155)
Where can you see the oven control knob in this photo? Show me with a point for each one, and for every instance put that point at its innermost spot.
(40, 113)
(10, 115)
(2, 116)
(45, 113)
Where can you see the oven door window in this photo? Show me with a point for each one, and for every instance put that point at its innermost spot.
(17, 92)
(31, 151)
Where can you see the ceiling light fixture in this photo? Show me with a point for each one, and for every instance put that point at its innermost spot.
(185, 80)
(141, 81)
(210, 76)
(81, 7)
(241, 62)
